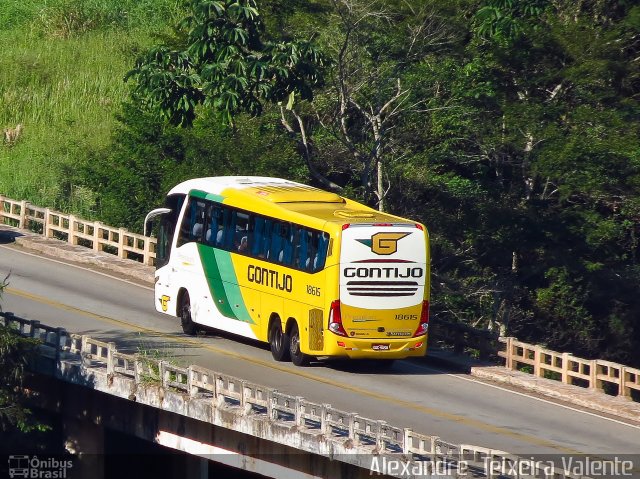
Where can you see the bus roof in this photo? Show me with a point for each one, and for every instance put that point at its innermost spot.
(287, 195)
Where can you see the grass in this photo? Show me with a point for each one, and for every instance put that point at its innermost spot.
(61, 77)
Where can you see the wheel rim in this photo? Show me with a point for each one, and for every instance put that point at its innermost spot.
(295, 341)
(276, 338)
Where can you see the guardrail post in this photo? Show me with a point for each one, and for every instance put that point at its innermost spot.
(434, 447)
(83, 351)
(566, 379)
(110, 359)
(162, 370)
(72, 239)
(298, 409)
(46, 231)
(406, 440)
(121, 251)
(60, 346)
(324, 428)
(2, 216)
(96, 236)
(537, 369)
(137, 370)
(508, 360)
(23, 214)
(147, 259)
(623, 390)
(593, 373)
(35, 325)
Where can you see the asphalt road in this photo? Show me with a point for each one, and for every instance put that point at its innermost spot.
(415, 394)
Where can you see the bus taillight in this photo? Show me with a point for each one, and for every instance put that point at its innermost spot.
(424, 320)
(335, 319)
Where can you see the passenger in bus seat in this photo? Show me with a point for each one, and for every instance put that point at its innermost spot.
(242, 246)
(196, 233)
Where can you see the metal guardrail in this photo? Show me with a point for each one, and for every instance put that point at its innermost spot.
(367, 436)
(594, 374)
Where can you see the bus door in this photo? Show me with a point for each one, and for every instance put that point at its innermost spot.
(185, 265)
(383, 273)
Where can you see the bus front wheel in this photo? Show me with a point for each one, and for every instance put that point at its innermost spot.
(278, 341)
(297, 357)
(188, 326)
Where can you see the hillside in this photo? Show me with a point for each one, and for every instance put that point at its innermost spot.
(61, 78)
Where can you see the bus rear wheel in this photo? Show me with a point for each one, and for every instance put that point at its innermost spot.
(297, 357)
(279, 342)
(188, 326)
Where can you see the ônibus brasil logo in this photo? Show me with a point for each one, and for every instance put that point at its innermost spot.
(384, 243)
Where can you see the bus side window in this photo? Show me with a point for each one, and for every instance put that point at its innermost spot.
(214, 224)
(275, 248)
(258, 236)
(266, 240)
(321, 255)
(302, 254)
(229, 229)
(199, 213)
(288, 232)
(241, 237)
(192, 223)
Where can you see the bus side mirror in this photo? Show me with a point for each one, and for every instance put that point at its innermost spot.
(152, 214)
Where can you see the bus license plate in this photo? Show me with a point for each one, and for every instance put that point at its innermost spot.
(380, 347)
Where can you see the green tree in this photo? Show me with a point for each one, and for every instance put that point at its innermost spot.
(227, 64)
(15, 352)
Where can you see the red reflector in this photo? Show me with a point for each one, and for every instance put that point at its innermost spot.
(418, 345)
(341, 344)
(335, 319)
(419, 227)
(424, 320)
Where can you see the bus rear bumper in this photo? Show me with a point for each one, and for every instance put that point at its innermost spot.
(382, 348)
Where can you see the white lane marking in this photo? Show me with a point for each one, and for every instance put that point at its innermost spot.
(76, 266)
(477, 381)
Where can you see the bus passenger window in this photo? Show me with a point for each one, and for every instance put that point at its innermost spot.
(241, 237)
(213, 236)
(258, 236)
(191, 228)
(321, 255)
(275, 247)
(229, 229)
(288, 232)
(266, 240)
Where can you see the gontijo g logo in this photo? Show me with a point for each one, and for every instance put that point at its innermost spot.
(384, 243)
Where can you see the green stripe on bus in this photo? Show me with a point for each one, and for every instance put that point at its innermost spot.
(226, 295)
(206, 196)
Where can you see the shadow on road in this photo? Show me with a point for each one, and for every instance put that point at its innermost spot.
(8, 236)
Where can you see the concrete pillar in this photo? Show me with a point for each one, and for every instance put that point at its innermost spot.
(85, 441)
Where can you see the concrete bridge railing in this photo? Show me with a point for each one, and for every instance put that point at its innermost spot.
(67, 227)
(595, 374)
(264, 412)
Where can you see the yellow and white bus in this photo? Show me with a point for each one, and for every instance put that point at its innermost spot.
(308, 271)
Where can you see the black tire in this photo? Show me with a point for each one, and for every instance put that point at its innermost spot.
(188, 326)
(278, 341)
(297, 357)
